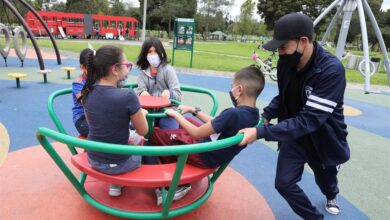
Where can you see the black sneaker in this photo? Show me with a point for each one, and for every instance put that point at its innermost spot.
(332, 206)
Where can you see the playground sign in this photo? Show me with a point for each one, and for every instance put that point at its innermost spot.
(184, 32)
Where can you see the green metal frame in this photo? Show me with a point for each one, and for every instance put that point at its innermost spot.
(150, 116)
(44, 133)
(182, 151)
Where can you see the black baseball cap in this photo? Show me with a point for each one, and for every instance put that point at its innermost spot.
(289, 27)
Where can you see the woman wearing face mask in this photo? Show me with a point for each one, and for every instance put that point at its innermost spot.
(157, 77)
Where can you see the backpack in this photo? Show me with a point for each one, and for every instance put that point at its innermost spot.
(166, 137)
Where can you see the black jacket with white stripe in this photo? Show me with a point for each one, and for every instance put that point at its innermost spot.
(322, 116)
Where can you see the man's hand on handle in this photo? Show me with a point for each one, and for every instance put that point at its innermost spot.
(250, 135)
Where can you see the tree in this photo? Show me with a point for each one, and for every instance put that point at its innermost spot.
(88, 7)
(169, 9)
(260, 29)
(8, 18)
(215, 23)
(272, 10)
(210, 8)
(313, 9)
(386, 36)
(160, 13)
(59, 6)
(246, 17)
(118, 9)
(354, 32)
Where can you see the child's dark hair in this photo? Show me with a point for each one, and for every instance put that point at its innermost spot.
(98, 66)
(142, 61)
(253, 80)
(83, 60)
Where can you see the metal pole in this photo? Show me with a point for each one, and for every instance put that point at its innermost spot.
(173, 56)
(324, 13)
(46, 28)
(174, 42)
(366, 51)
(30, 34)
(379, 37)
(192, 53)
(332, 23)
(350, 6)
(144, 21)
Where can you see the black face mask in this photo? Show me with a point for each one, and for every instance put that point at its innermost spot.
(290, 61)
(234, 100)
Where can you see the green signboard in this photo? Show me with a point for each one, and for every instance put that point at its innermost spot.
(184, 33)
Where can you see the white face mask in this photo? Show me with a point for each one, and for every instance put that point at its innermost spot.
(154, 60)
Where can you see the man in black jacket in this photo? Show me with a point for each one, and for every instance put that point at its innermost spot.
(309, 109)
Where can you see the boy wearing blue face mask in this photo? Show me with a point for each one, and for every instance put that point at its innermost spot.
(157, 77)
(246, 87)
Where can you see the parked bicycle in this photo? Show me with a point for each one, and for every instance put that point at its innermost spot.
(265, 66)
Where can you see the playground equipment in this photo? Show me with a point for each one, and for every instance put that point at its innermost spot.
(142, 181)
(17, 76)
(366, 67)
(14, 11)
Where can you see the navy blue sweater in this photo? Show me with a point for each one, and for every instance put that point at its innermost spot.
(322, 115)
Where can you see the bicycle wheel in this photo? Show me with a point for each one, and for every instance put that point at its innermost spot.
(273, 75)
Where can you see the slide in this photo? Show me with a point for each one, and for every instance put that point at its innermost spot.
(62, 32)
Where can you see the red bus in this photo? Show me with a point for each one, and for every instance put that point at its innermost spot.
(82, 25)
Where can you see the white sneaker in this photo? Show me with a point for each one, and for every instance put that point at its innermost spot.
(115, 189)
(181, 191)
(159, 196)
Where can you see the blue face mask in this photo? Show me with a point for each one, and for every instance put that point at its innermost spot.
(234, 100)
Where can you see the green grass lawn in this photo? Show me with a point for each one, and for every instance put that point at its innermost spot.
(211, 55)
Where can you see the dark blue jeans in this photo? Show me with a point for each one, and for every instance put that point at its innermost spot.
(130, 164)
(82, 126)
(291, 160)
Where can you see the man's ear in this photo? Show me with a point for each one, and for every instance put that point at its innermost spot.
(305, 41)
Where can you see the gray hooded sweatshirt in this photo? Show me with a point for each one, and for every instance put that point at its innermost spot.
(166, 79)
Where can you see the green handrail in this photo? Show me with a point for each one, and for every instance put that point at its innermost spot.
(139, 150)
(53, 114)
(150, 116)
(204, 91)
(183, 151)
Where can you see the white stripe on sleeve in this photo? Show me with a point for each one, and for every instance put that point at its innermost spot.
(324, 101)
(318, 106)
